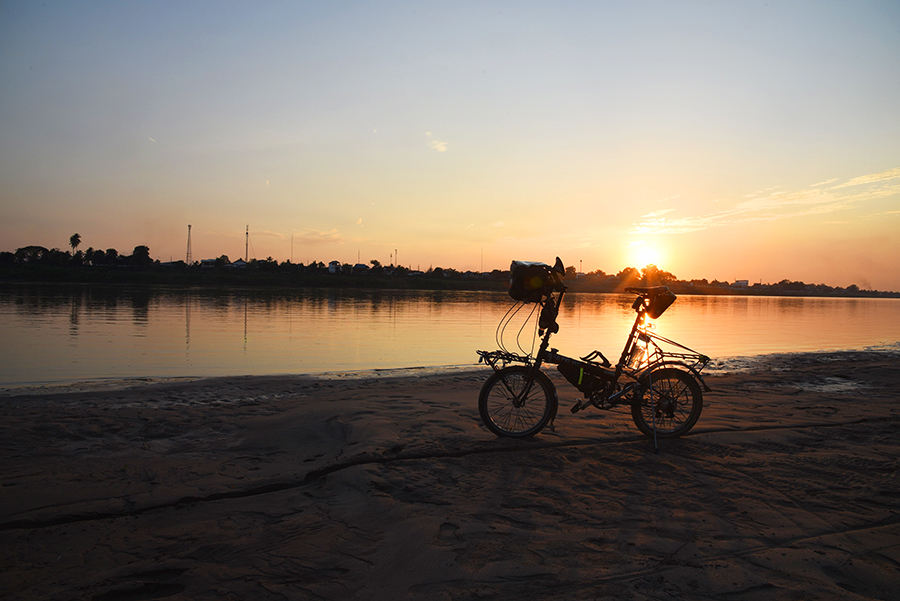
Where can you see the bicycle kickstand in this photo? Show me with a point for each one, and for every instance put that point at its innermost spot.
(653, 413)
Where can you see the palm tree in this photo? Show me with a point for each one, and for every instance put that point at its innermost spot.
(74, 241)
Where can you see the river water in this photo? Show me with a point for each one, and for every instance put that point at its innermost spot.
(55, 334)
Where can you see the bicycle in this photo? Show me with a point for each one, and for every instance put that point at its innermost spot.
(663, 387)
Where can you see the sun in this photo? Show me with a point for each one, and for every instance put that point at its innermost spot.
(643, 253)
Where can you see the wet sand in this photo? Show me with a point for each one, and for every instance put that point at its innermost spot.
(389, 488)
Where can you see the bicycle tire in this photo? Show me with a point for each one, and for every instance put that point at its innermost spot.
(678, 401)
(498, 406)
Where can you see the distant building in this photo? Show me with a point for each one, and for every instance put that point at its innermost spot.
(741, 284)
(208, 263)
(334, 267)
(360, 268)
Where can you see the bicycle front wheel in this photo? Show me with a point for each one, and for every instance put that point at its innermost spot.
(512, 404)
(672, 401)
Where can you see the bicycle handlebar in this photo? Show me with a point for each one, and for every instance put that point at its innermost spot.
(647, 290)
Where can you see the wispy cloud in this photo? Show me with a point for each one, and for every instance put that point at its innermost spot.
(872, 178)
(761, 192)
(318, 237)
(435, 144)
(499, 224)
(659, 213)
(773, 204)
(254, 233)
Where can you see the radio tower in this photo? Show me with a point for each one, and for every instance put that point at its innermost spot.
(188, 257)
(247, 245)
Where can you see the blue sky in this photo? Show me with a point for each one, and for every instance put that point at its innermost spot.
(750, 140)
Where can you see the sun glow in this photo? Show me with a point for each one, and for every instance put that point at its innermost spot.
(642, 254)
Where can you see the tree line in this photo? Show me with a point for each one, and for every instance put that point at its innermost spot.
(55, 263)
(54, 257)
(651, 275)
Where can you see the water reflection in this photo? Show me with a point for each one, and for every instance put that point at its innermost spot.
(74, 312)
(62, 333)
(187, 326)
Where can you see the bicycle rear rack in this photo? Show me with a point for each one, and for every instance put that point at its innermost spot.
(504, 358)
(654, 356)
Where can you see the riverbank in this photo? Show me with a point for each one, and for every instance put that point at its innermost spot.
(300, 487)
(243, 278)
(292, 276)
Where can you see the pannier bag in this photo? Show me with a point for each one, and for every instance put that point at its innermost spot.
(660, 303)
(529, 281)
(584, 376)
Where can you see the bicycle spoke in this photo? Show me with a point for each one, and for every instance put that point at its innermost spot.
(510, 411)
(676, 405)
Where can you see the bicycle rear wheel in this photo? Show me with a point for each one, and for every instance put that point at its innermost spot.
(676, 403)
(511, 405)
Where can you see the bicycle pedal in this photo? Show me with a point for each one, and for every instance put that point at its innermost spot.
(578, 406)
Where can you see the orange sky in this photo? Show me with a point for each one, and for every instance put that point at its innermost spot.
(727, 141)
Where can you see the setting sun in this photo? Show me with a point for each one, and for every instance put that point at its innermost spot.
(641, 254)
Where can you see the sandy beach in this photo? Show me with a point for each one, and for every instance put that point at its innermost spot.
(390, 488)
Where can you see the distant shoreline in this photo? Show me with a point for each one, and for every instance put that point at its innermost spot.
(494, 281)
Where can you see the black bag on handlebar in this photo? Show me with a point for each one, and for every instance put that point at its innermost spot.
(529, 282)
(660, 303)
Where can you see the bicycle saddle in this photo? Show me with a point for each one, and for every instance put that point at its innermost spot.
(647, 291)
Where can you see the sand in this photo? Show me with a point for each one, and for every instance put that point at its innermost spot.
(390, 488)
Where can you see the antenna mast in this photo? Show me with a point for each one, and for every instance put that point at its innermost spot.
(188, 258)
(247, 245)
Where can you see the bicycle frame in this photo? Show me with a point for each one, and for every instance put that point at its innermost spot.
(641, 355)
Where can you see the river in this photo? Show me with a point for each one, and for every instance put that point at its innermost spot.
(57, 334)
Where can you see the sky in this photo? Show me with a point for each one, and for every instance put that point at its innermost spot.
(718, 140)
